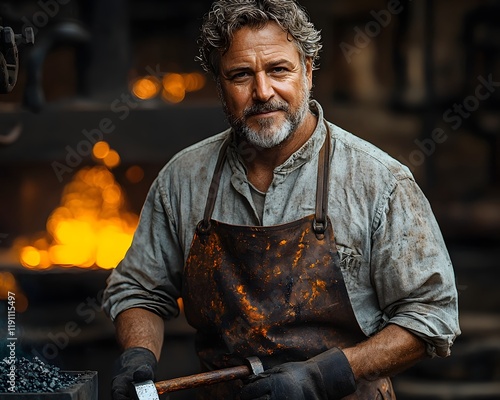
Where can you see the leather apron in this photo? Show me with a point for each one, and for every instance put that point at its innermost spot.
(275, 292)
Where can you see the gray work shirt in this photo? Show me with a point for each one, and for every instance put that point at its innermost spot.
(393, 257)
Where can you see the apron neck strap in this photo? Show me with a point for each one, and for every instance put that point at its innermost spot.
(321, 213)
(204, 225)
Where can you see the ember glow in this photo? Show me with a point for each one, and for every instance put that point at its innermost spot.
(172, 87)
(89, 228)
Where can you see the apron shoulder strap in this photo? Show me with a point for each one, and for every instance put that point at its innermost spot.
(204, 225)
(321, 215)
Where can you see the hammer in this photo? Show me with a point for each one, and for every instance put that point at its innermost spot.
(150, 390)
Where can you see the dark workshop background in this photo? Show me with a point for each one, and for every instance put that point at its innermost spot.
(420, 79)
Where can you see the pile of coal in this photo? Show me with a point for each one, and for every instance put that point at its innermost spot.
(33, 377)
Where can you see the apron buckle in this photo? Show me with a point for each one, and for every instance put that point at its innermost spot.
(319, 228)
(203, 227)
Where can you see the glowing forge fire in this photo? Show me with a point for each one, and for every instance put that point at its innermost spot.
(90, 227)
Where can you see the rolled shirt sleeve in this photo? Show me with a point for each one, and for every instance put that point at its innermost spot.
(411, 270)
(142, 279)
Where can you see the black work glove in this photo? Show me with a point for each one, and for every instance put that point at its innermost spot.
(326, 376)
(135, 364)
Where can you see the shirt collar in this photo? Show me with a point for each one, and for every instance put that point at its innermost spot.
(307, 152)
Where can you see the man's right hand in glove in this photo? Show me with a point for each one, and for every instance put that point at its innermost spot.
(135, 364)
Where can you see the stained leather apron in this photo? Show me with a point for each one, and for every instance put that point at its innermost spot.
(275, 292)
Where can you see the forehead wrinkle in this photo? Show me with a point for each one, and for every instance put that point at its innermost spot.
(263, 55)
(256, 49)
(270, 34)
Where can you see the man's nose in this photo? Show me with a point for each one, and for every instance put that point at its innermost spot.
(263, 89)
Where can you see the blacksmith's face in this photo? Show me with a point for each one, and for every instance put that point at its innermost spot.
(264, 85)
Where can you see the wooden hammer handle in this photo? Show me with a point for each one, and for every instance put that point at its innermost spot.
(203, 379)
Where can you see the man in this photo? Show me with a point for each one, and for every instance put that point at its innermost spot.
(287, 237)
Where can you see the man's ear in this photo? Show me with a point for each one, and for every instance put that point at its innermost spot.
(309, 70)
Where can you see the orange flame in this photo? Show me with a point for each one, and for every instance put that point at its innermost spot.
(89, 228)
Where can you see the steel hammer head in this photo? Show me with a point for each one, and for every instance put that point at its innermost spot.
(145, 390)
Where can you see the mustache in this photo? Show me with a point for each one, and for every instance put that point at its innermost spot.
(265, 107)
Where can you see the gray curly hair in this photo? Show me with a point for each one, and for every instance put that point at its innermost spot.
(227, 16)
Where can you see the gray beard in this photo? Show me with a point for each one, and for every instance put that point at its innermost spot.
(266, 137)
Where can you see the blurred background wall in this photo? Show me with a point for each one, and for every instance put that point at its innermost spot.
(111, 90)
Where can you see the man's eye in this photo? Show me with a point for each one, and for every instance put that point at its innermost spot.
(239, 75)
(279, 70)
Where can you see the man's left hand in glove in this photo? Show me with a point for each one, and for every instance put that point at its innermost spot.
(325, 376)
